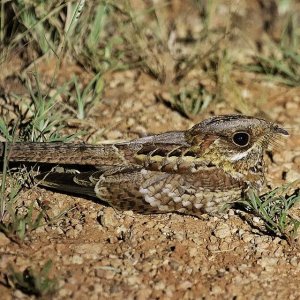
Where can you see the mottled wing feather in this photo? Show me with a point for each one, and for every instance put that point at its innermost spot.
(192, 194)
(148, 191)
(172, 152)
(155, 192)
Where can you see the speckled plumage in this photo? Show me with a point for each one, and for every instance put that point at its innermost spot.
(201, 170)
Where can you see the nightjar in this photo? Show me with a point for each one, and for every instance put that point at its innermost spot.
(202, 170)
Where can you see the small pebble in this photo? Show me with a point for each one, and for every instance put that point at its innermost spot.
(4, 240)
(222, 231)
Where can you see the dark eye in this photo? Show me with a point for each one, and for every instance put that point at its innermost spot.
(241, 138)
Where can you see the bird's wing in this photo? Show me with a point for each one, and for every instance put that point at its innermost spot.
(146, 191)
(171, 152)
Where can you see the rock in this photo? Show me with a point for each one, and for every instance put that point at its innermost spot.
(114, 135)
(292, 108)
(106, 273)
(108, 218)
(267, 262)
(4, 240)
(247, 237)
(76, 259)
(222, 231)
(160, 285)
(89, 250)
(292, 175)
(296, 160)
(144, 294)
(185, 285)
(132, 280)
(216, 290)
(193, 252)
(213, 247)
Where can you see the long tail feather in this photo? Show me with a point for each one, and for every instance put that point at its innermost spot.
(65, 182)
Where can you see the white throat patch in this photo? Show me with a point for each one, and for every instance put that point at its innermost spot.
(239, 156)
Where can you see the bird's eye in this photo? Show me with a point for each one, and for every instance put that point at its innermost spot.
(241, 139)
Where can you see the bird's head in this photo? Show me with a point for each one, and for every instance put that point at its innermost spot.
(235, 142)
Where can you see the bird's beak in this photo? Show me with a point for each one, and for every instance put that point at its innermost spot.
(280, 130)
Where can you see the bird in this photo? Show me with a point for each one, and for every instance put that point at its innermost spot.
(202, 170)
